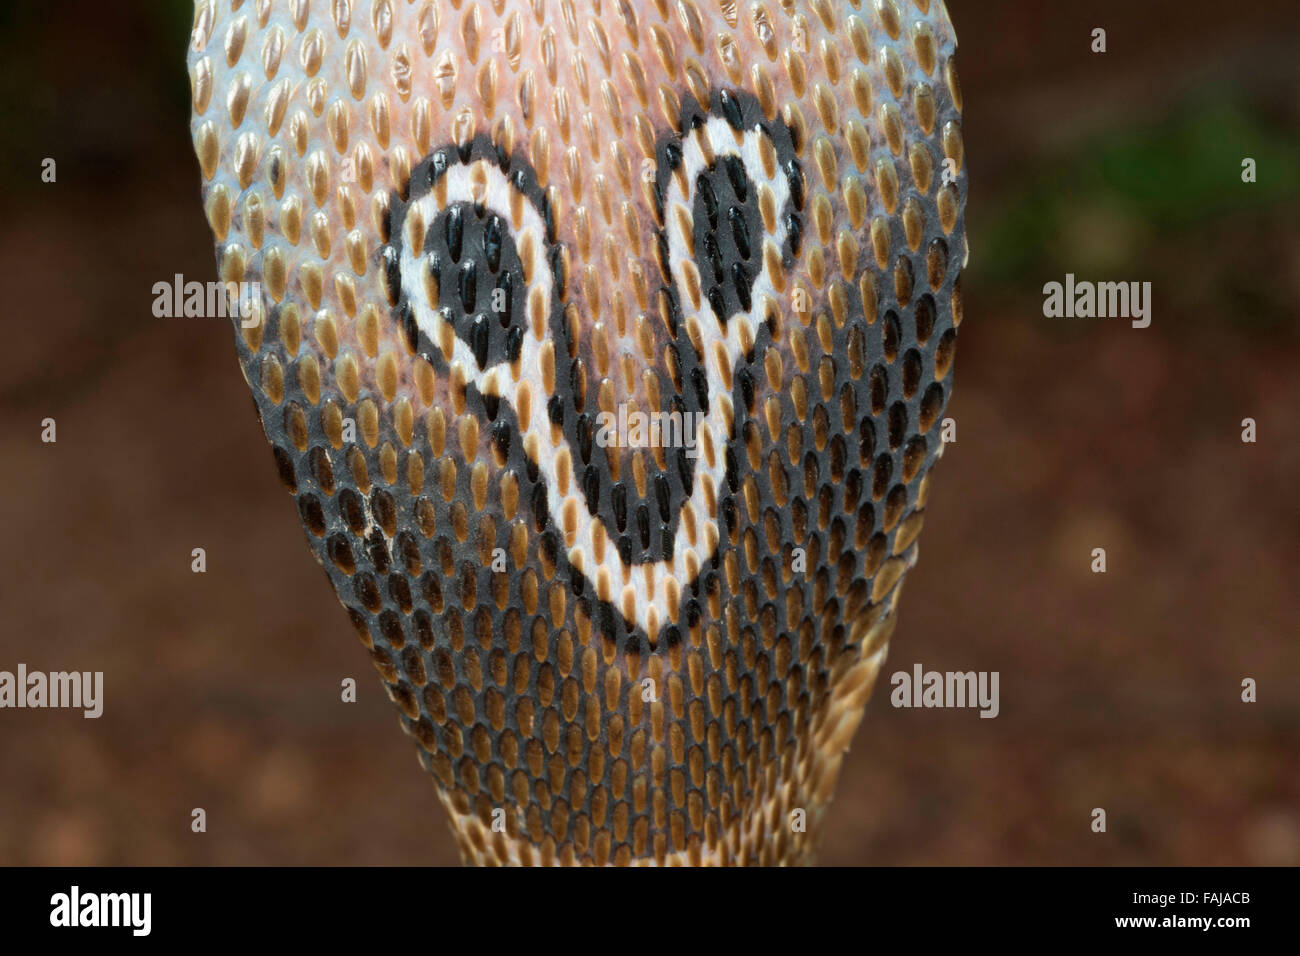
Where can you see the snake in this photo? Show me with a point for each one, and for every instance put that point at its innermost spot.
(601, 346)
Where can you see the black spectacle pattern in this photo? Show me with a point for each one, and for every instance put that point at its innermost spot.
(472, 254)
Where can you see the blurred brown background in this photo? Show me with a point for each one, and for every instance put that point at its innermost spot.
(1119, 690)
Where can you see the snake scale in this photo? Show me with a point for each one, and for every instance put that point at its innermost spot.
(601, 344)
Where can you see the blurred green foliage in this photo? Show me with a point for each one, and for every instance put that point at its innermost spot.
(1158, 201)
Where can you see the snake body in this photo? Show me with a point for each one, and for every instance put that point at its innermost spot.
(601, 344)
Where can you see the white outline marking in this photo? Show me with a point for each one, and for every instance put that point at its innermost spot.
(655, 588)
